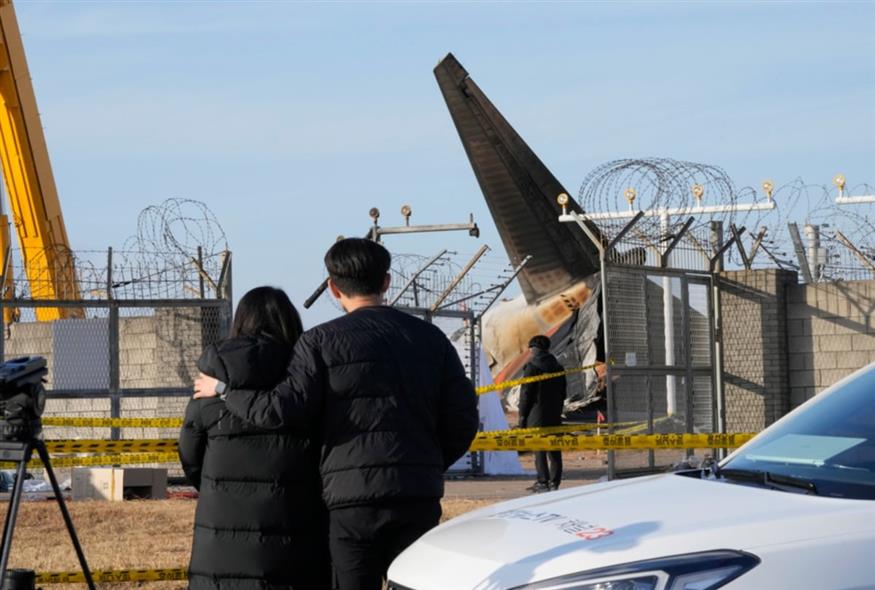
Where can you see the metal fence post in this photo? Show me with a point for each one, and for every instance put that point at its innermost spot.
(689, 390)
(115, 402)
(115, 409)
(200, 276)
(477, 463)
(224, 291)
(609, 361)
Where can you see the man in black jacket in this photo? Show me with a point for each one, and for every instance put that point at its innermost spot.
(394, 407)
(541, 404)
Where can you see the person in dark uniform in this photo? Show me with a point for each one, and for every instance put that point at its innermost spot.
(541, 404)
(260, 521)
(393, 405)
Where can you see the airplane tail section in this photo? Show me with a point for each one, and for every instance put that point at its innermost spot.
(519, 190)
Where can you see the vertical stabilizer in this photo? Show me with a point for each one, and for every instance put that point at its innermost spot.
(519, 190)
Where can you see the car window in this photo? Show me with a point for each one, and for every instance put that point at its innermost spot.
(830, 442)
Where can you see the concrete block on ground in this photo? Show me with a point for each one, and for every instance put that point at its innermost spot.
(117, 484)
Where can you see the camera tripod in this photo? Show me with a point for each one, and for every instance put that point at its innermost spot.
(20, 452)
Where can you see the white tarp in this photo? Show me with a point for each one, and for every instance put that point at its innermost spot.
(492, 417)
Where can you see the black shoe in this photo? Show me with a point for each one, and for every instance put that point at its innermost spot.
(554, 486)
(539, 487)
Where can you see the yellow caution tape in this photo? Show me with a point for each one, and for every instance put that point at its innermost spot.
(164, 450)
(112, 422)
(177, 422)
(113, 576)
(103, 460)
(122, 459)
(616, 442)
(564, 428)
(145, 445)
(534, 379)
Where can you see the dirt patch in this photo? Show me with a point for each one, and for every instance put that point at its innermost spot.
(119, 535)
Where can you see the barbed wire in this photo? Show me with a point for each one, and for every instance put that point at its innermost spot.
(660, 183)
(682, 187)
(177, 252)
(474, 292)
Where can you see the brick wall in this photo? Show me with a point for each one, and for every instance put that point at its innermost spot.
(756, 372)
(785, 342)
(830, 334)
(157, 350)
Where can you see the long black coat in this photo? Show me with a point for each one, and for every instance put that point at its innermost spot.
(260, 521)
(541, 403)
(395, 405)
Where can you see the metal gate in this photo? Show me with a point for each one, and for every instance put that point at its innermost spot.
(660, 344)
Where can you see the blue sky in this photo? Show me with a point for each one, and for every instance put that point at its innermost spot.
(290, 120)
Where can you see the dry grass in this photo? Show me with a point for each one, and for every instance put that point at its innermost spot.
(455, 507)
(117, 535)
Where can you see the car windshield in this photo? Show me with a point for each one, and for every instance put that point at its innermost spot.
(830, 443)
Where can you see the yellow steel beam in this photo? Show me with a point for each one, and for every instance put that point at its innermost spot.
(33, 197)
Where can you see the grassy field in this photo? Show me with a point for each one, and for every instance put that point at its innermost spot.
(116, 535)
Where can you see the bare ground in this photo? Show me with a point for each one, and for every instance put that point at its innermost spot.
(119, 535)
(157, 533)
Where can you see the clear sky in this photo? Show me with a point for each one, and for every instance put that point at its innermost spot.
(290, 120)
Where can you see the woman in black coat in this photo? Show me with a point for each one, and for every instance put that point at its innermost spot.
(260, 521)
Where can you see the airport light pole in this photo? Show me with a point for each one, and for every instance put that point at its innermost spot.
(813, 263)
(839, 181)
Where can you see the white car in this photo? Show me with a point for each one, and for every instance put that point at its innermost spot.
(792, 509)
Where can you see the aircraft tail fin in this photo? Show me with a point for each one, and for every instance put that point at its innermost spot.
(519, 190)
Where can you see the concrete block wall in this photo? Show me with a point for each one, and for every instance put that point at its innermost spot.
(181, 334)
(31, 338)
(785, 342)
(756, 368)
(157, 350)
(830, 334)
(138, 343)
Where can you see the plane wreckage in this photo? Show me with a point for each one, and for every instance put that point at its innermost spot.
(560, 284)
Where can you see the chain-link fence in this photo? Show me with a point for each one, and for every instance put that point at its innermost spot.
(659, 335)
(125, 340)
(122, 359)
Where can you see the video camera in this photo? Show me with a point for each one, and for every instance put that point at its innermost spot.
(22, 397)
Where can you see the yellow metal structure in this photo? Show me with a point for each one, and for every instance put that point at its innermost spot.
(33, 197)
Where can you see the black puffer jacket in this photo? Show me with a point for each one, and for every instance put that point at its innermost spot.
(393, 400)
(541, 403)
(260, 521)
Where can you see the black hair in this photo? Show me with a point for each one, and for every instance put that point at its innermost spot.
(358, 266)
(267, 311)
(539, 341)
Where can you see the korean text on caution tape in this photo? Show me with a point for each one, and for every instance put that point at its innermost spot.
(113, 576)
